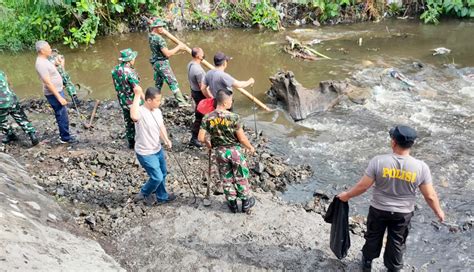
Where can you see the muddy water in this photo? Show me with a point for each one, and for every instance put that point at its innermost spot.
(339, 143)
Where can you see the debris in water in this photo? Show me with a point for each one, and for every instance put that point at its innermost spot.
(441, 51)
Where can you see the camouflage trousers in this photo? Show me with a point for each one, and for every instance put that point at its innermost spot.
(164, 73)
(18, 115)
(233, 171)
(129, 124)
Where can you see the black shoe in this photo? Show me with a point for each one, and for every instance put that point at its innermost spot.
(232, 204)
(247, 204)
(366, 264)
(131, 144)
(195, 142)
(33, 138)
(11, 136)
(171, 197)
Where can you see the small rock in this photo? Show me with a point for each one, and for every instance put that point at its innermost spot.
(18, 214)
(34, 205)
(82, 166)
(275, 170)
(91, 221)
(101, 173)
(259, 168)
(52, 217)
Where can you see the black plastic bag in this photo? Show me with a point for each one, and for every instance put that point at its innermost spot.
(338, 216)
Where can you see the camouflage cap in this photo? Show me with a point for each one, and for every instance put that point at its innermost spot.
(127, 55)
(157, 23)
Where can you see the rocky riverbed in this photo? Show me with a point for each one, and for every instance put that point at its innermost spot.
(95, 179)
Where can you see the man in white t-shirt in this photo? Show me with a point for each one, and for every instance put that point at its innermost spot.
(149, 127)
(395, 178)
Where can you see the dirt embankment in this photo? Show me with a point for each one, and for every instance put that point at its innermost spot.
(95, 179)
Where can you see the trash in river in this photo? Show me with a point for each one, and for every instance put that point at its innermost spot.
(396, 74)
(441, 51)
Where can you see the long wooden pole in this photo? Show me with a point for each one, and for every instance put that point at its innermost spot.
(210, 66)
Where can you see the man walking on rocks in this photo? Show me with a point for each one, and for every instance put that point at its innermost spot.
(127, 82)
(196, 76)
(10, 105)
(53, 89)
(150, 127)
(160, 61)
(395, 177)
(217, 79)
(227, 135)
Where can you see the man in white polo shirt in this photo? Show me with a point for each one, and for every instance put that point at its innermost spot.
(149, 127)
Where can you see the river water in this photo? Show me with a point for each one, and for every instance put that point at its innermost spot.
(338, 144)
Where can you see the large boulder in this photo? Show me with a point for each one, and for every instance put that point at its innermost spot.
(300, 101)
(35, 233)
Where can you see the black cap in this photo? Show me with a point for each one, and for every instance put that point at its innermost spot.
(403, 134)
(219, 58)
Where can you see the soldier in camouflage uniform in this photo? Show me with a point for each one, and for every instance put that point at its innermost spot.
(159, 60)
(227, 135)
(58, 60)
(126, 80)
(10, 105)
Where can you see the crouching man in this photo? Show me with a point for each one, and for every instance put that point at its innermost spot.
(226, 133)
(149, 127)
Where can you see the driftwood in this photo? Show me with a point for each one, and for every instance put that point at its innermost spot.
(297, 49)
(301, 102)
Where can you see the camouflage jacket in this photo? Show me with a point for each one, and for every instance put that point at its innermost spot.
(156, 44)
(222, 126)
(7, 96)
(125, 79)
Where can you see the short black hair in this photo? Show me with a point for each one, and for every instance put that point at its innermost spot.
(222, 95)
(404, 145)
(194, 51)
(152, 92)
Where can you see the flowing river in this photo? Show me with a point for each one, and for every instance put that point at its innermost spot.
(339, 143)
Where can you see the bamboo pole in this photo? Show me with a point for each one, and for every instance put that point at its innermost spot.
(210, 66)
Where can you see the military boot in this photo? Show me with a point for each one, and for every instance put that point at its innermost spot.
(33, 138)
(232, 204)
(9, 137)
(181, 100)
(247, 204)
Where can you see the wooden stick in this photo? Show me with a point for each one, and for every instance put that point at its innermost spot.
(93, 112)
(210, 66)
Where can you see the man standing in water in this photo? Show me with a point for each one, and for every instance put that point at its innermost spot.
(217, 79)
(150, 128)
(227, 135)
(126, 81)
(160, 61)
(53, 89)
(10, 105)
(396, 177)
(196, 76)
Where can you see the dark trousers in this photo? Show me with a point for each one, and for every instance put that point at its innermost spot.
(60, 112)
(197, 97)
(397, 225)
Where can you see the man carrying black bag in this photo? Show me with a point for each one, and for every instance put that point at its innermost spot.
(395, 177)
(338, 216)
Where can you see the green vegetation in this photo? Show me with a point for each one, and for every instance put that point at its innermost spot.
(79, 22)
(453, 8)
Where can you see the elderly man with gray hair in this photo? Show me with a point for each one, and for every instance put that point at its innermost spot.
(53, 89)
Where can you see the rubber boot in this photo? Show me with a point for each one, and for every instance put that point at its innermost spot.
(10, 136)
(247, 204)
(181, 100)
(131, 144)
(233, 205)
(33, 138)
